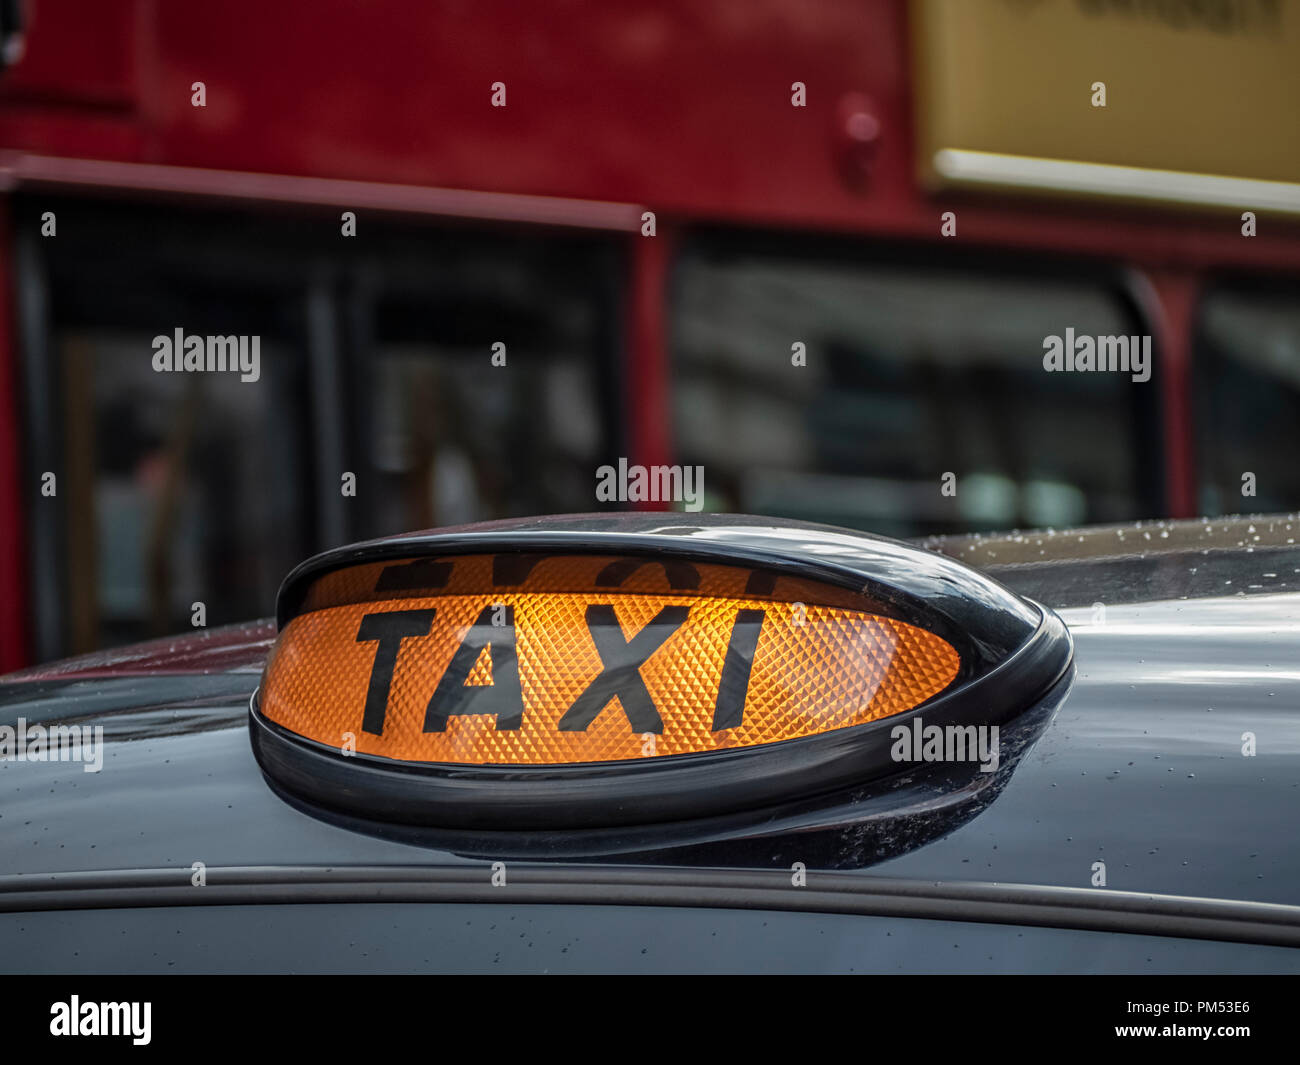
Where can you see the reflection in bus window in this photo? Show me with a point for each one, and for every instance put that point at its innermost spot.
(1247, 382)
(911, 373)
(167, 489)
(490, 375)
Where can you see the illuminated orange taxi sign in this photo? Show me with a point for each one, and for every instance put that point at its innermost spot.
(523, 660)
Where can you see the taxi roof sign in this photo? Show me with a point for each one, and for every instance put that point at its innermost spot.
(592, 670)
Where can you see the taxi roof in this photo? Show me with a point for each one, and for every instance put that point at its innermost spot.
(1141, 767)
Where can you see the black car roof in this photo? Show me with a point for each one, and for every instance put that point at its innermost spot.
(1142, 767)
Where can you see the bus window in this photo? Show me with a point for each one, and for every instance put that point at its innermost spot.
(1247, 389)
(490, 368)
(381, 403)
(844, 390)
(181, 501)
(180, 495)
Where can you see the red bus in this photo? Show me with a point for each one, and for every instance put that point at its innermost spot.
(812, 246)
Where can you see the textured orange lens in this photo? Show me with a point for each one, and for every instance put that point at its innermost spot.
(534, 675)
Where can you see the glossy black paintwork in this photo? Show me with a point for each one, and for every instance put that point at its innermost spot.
(504, 938)
(1141, 766)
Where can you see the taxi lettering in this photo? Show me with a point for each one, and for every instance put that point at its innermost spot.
(493, 634)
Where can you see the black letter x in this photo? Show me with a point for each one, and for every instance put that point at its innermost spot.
(622, 664)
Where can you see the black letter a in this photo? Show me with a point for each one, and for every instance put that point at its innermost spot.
(503, 698)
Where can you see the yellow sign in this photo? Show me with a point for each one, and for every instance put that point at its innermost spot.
(1186, 101)
(426, 661)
